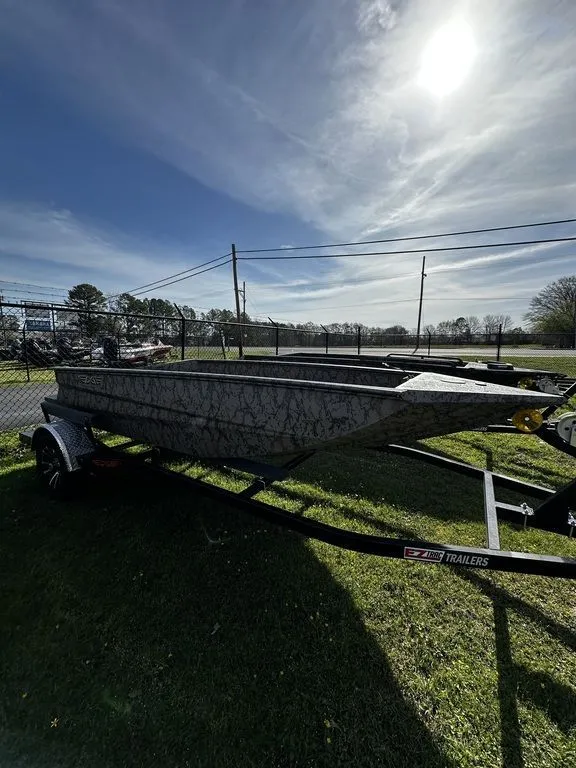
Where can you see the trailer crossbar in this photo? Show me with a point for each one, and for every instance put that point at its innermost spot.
(408, 549)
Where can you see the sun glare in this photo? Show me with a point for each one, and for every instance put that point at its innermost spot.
(447, 58)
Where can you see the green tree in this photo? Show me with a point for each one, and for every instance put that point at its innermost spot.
(461, 329)
(553, 310)
(9, 326)
(188, 312)
(132, 325)
(84, 298)
(163, 309)
(394, 330)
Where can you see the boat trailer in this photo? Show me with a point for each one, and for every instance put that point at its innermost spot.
(66, 448)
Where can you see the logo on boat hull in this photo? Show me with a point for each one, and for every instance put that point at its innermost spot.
(423, 555)
(94, 381)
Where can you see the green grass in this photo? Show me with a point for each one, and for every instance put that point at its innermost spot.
(12, 377)
(144, 626)
(561, 363)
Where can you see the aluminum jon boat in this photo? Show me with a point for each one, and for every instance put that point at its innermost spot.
(243, 409)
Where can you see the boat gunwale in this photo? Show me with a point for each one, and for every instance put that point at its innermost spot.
(296, 361)
(330, 386)
(461, 386)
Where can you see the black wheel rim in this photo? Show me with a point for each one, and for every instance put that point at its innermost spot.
(49, 466)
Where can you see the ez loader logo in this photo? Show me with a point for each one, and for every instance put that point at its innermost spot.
(425, 555)
(437, 556)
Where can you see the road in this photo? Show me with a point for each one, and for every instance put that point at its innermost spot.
(483, 352)
(20, 405)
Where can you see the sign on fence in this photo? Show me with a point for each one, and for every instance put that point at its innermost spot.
(38, 317)
(38, 325)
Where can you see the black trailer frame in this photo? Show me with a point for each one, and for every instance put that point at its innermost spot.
(555, 513)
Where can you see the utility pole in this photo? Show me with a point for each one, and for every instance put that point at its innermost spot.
(575, 319)
(2, 319)
(237, 299)
(422, 276)
(243, 292)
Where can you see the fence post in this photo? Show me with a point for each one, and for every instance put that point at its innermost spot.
(25, 351)
(498, 341)
(182, 331)
(53, 325)
(429, 341)
(277, 335)
(358, 339)
(325, 337)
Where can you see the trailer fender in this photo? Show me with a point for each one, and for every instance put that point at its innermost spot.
(73, 441)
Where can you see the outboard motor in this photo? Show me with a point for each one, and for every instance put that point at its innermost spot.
(63, 347)
(110, 349)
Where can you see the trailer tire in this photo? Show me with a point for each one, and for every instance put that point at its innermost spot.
(51, 469)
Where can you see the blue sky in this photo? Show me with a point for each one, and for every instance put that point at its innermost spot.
(140, 138)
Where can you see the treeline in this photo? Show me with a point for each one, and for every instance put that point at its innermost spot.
(468, 327)
(552, 311)
(168, 315)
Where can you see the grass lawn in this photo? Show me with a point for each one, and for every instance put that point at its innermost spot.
(144, 627)
(562, 363)
(10, 376)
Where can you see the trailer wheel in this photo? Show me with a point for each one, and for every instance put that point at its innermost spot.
(50, 465)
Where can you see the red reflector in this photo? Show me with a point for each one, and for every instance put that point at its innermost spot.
(107, 463)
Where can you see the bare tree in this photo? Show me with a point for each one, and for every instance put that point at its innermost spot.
(491, 323)
(553, 310)
(474, 324)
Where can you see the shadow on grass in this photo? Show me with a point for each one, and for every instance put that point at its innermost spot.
(396, 480)
(514, 680)
(128, 639)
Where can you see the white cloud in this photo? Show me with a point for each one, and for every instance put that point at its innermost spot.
(314, 109)
(64, 250)
(326, 119)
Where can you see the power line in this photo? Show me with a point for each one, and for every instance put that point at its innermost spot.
(180, 279)
(169, 277)
(413, 237)
(35, 293)
(415, 250)
(414, 301)
(33, 285)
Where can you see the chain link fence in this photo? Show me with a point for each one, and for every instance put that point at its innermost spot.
(34, 340)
